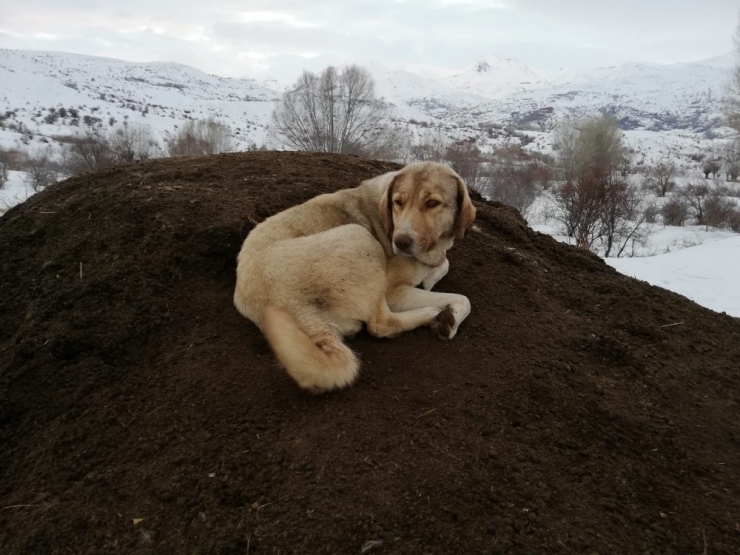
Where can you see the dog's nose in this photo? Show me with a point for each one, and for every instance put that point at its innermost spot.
(403, 242)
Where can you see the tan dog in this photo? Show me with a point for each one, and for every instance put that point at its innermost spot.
(313, 274)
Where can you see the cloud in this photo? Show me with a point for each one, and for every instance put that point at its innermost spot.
(225, 37)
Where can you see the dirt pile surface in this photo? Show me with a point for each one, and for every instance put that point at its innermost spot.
(577, 410)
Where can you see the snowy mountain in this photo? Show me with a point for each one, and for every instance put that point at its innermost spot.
(44, 95)
(647, 96)
(492, 76)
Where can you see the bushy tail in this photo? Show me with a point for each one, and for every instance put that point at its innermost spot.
(317, 364)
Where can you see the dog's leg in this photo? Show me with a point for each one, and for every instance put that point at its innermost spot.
(435, 275)
(384, 323)
(453, 308)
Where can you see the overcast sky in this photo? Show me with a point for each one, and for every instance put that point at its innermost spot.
(280, 37)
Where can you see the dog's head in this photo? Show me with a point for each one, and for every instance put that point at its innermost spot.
(424, 204)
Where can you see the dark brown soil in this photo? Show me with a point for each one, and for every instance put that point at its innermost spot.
(568, 416)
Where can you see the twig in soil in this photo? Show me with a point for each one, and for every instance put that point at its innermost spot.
(80, 270)
(427, 412)
(704, 537)
(18, 506)
(671, 325)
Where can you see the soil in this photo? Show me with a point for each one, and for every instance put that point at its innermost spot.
(576, 411)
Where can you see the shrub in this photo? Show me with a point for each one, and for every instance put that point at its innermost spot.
(513, 185)
(132, 142)
(204, 136)
(87, 151)
(42, 170)
(660, 178)
(675, 212)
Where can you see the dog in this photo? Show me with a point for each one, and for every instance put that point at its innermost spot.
(314, 274)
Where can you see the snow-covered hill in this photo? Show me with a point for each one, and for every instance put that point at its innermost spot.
(649, 96)
(51, 93)
(48, 94)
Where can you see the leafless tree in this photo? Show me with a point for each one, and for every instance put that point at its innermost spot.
(87, 151)
(132, 142)
(512, 184)
(203, 136)
(595, 204)
(41, 169)
(565, 142)
(335, 111)
(466, 159)
(660, 178)
(675, 211)
(731, 159)
(731, 101)
(4, 168)
(593, 146)
(579, 204)
(431, 147)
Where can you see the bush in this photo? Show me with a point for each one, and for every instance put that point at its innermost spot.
(204, 136)
(132, 142)
(513, 185)
(721, 212)
(3, 172)
(42, 170)
(660, 177)
(675, 212)
(466, 158)
(87, 151)
(651, 212)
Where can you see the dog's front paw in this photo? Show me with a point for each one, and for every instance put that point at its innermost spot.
(444, 324)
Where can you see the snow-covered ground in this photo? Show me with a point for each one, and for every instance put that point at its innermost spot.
(708, 274)
(15, 191)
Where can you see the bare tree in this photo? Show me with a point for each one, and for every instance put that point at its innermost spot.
(203, 136)
(594, 146)
(430, 147)
(731, 101)
(579, 204)
(515, 185)
(87, 151)
(4, 168)
(595, 204)
(565, 142)
(41, 169)
(132, 142)
(466, 159)
(675, 211)
(660, 178)
(333, 112)
(600, 145)
(731, 162)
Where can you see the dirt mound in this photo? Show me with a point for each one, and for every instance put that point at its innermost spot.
(577, 411)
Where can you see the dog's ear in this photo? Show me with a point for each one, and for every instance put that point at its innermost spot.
(385, 205)
(465, 210)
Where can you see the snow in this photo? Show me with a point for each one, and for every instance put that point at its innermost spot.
(708, 274)
(15, 191)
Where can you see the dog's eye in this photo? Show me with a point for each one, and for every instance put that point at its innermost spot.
(431, 203)
(398, 202)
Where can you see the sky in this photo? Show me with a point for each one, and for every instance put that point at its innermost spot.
(279, 38)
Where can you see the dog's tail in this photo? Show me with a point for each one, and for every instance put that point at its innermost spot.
(319, 362)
